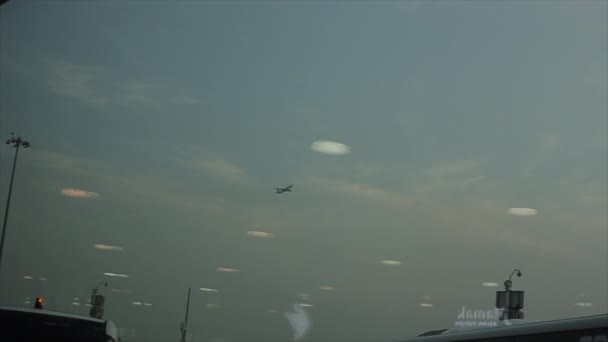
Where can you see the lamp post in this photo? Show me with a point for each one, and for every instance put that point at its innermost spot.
(184, 325)
(97, 302)
(16, 142)
(511, 302)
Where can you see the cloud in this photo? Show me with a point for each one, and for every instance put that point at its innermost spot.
(184, 99)
(157, 191)
(143, 93)
(78, 193)
(452, 168)
(427, 202)
(358, 190)
(550, 141)
(79, 82)
(221, 169)
(99, 86)
(197, 159)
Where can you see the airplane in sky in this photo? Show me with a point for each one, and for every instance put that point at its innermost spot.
(282, 190)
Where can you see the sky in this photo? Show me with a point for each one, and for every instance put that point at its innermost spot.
(163, 128)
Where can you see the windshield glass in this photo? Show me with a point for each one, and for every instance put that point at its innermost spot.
(318, 171)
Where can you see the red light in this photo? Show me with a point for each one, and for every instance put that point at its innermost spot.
(39, 301)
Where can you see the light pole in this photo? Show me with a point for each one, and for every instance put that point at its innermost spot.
(184, 325)
(17, 143)
(97, 301)
(510, 301)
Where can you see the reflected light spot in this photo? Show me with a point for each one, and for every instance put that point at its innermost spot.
(273, 311)
(70, 192)
(426, 297)
(211, 306)
(327, 288)
(584, 304)
(330, 147)
(27, 302)
(391, 262)
(89, 305)
(304, 296)
(305, 305)
(42, 278)
(204, 289)
(117, 275)
(76, 299)
(147, 304)
(522, 211)
(489, 284)
(75, 303)
(426, 305)
(121, 291)
(227, 269)
(257, 233)
(28, 277)
(136, 303)
(108, 248)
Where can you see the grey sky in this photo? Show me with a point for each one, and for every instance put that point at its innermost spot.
(182, 117)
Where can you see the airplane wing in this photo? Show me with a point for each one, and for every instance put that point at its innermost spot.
(289, 187)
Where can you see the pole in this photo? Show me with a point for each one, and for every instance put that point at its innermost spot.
(8, 203)
(185, 326)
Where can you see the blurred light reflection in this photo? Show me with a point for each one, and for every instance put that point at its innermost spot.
(117, 275)
(391, 262)
(78, 193)
(330, 147)
(522, 211)
(257, 233)
(108, 248)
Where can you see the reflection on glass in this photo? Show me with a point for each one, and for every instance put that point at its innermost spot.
(108, 247)
(391, 262)
(489, 284)
(522, 211)
(117, 275)
(70, 192)
(258, 233)
(330, 147)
